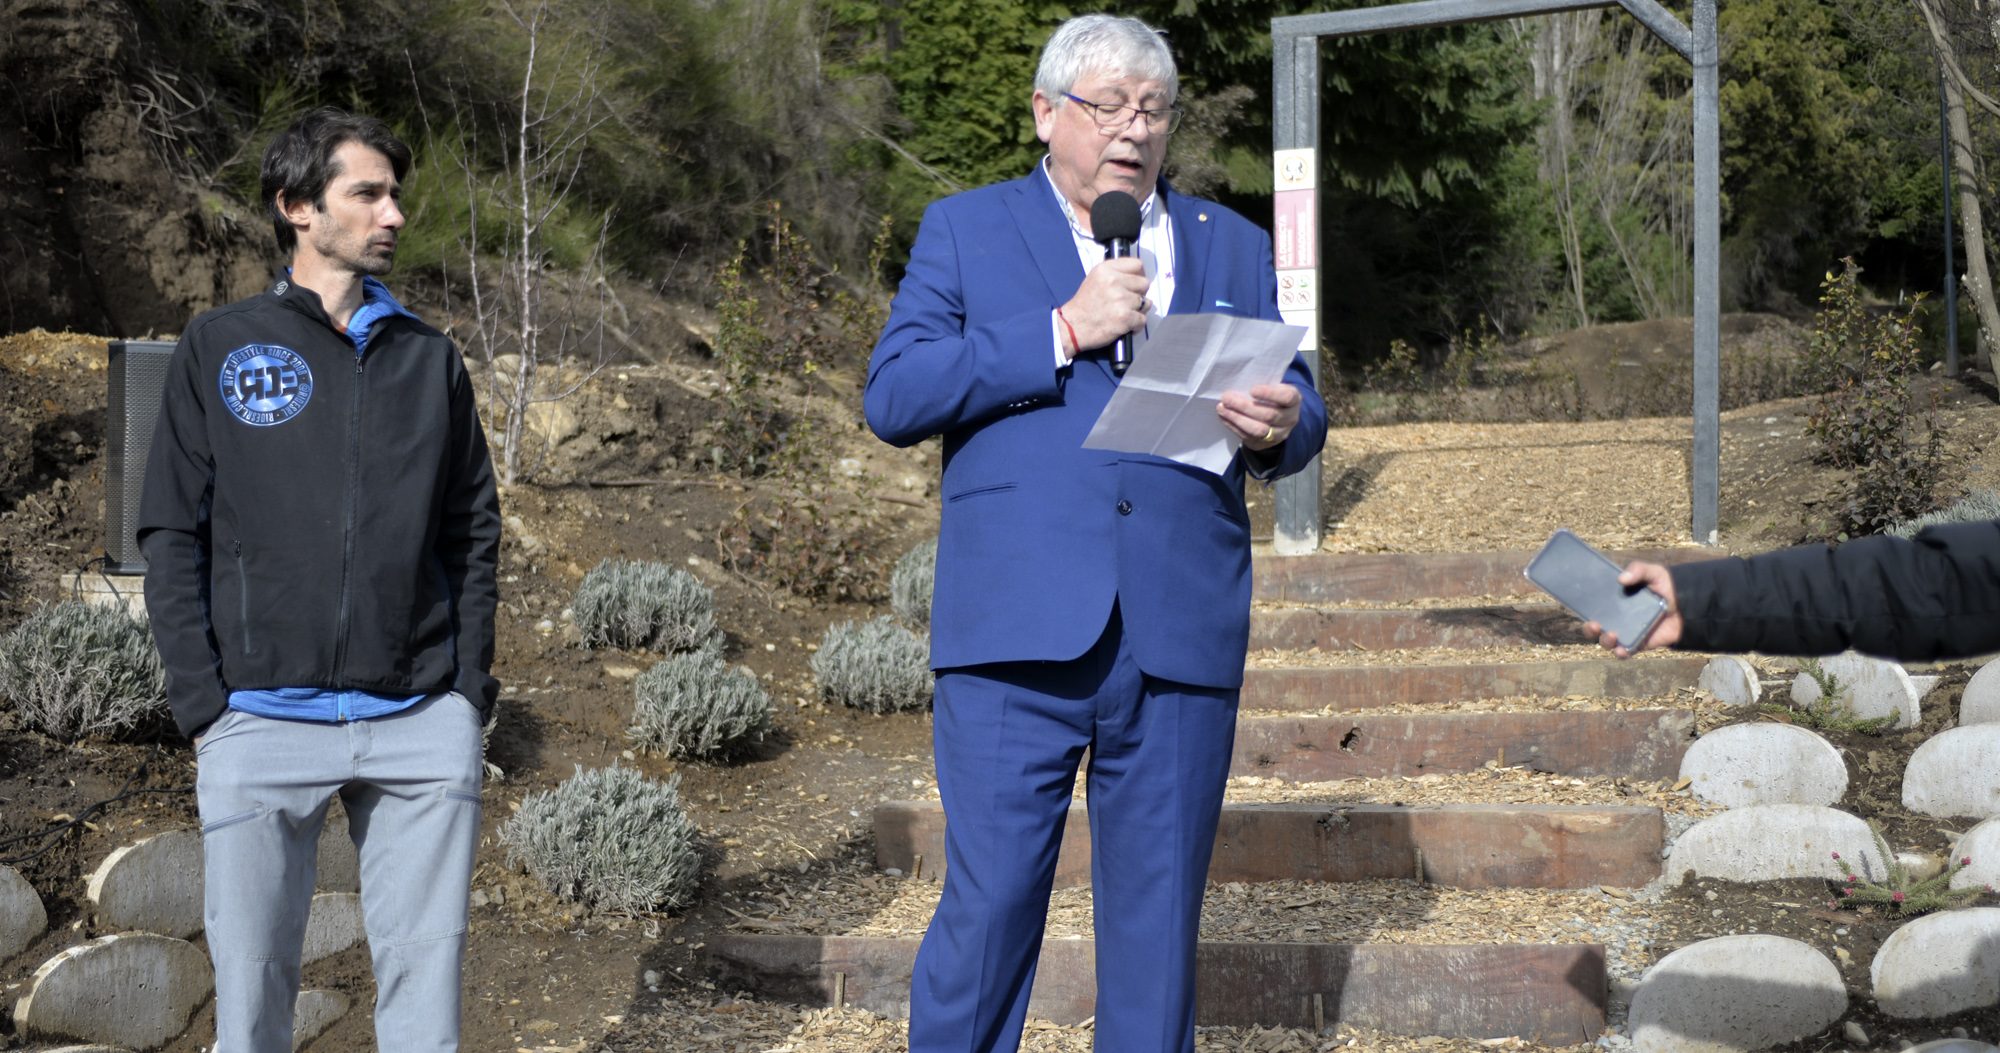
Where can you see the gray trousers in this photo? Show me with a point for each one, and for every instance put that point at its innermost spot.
(410, 784)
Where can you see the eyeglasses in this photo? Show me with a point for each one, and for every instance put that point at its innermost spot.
(1112, 118)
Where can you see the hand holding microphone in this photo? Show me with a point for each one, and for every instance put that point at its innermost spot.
(1111, 303)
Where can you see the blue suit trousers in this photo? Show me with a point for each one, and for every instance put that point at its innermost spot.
(1009, 740)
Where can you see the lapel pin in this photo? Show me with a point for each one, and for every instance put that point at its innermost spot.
(1201, 217)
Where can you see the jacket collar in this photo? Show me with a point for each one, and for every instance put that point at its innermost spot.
(1046, 231)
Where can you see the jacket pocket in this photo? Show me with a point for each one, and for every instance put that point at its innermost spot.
(982, 491)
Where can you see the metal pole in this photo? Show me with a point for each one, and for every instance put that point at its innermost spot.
(1706, 460)
(1295, 126)
(1950, 251)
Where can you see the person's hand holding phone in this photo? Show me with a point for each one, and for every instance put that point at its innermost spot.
(1667, 631)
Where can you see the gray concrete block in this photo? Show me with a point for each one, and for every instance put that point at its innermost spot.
(90, 1049)
(1770, 842)
(134, 989)
(1746, 764)
(1871, 687)
(1981, 844)
(314, 1012)
(1940, 964)
(1953, 1045)
(1981, 702)
(1952, 774)
(153, 885)
(1735, 994)
(23, 919)
(1732, 680)
(339, 866)
(333, 926)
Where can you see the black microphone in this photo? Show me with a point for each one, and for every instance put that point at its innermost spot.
(1114, 220)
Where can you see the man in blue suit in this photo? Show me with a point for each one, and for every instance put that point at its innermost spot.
(1084, 599)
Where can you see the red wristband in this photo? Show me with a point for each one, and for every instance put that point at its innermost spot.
(1075, 348)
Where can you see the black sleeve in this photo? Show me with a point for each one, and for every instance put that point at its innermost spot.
(469, 548)
(173, 535)
(1933, 597)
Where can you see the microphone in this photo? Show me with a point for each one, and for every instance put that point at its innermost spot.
(1114, 220)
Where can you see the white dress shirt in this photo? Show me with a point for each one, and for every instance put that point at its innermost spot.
(1155, 250)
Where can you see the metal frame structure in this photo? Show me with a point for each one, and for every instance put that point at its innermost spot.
(1295, 155)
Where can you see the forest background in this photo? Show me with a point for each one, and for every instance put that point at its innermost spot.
(1518, 177)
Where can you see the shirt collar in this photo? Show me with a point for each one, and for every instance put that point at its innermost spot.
(1069, 214)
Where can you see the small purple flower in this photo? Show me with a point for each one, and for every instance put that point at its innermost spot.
(1898, 897)
(1836, 855)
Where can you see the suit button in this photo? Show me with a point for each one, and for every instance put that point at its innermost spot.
(1124, 508)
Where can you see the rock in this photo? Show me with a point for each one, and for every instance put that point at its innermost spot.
(1746, 764)
(1953, 1045)
(1940, 964)
(333, 926)
(339, 866)
(1920, 866)
(1854, 1033)
(22, 917)
(1735, 994)
(1981, 702)
(153, 885)
(314, 1012)
(1951, 775)
(1732, 680)
(134, 990)
(1870, 687)
(1981, 844)
(553, 422)
(1769, 842)
(90, 1049)
(849, 467)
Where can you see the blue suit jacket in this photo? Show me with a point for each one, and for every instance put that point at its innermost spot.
(1033, 548)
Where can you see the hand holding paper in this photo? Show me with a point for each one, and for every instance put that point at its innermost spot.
(1170, 403)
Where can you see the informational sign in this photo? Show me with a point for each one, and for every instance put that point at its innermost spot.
(1295, 239)
(1295, 231)
(1294, 169)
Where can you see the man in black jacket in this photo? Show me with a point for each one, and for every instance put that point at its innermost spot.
(1932, 597)
(320, 528)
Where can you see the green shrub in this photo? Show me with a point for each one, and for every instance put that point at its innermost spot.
(634, 604)
(77, 670)
(910, 585)
(1900, 892)
(610, 839)
(692, 705)
(1975, 507)
(1867, 419)
(874, 665)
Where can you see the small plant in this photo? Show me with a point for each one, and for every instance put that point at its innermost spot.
(874, 665)
(692, 705)
(1901, 892)
(610, 839)
(1975, 507)
(634, 604)
(1833, 710)
(1867, 419)
(804, 544)
(76, 670)
(910, 585)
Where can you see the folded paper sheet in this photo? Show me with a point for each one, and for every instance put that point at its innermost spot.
(1165, 405)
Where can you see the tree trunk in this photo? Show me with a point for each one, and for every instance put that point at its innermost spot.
(1972, 226)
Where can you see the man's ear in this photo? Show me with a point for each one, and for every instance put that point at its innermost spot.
(1045, 115)
(298, 213)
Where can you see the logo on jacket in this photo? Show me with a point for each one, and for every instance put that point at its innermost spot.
(264, 384)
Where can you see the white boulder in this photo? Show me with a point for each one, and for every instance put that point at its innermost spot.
(1940, 964)
(1870, 688)
(1954, 773)
(134, 990)
(1981, 844)
(1746, 764)
(1981, 702)
(1732, 680)
(153, 885)
(1735, 994)
(1771, 842)
(23, 919)
(333, 926)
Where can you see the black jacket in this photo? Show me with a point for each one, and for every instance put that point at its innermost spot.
(1936, 596)
(312, 518)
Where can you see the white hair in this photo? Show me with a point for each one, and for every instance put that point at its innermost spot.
(1106, 44)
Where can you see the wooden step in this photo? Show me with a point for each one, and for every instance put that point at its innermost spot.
(1634, 743)
(1402, 577)
(1373, 629)
(1553, 994)
(1464, 846)
(1361, 687)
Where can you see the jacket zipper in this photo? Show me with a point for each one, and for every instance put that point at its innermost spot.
(347, 522)
(243, 598)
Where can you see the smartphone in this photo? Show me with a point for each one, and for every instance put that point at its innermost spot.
(1585, 581)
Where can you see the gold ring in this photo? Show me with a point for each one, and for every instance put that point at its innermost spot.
(1270, 432)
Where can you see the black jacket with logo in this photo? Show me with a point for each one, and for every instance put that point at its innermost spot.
(1931, 597)
(314, 518)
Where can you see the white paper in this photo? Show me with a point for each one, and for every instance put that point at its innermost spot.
(1166, 403)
